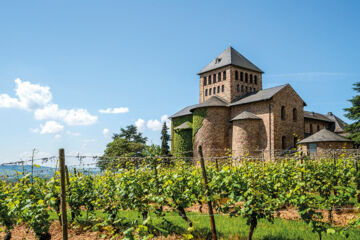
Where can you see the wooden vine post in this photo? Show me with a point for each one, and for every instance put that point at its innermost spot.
(211, 213)
(63, 193)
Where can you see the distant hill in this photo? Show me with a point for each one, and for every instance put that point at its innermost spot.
(12, 171)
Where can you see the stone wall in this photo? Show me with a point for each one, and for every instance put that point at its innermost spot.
(260, 109)
(226, 83)
(230, 84)
(246, 135)
(288, 127)
(324, 148)
(317, 125)
(213, 135)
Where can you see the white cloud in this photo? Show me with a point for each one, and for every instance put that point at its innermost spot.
(106, 132)
(29, 96)
(114, 110)
(34, 130)
(51, 127)
(165, 118)
(71, 117)
(154, 125)
(57, 136)
(140, 124)
(75, 134)
(37, 98)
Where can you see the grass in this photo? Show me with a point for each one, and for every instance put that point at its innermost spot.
(230, 227)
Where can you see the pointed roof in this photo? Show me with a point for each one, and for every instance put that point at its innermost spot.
(183, 126)
(316, 116)
(261, 95)
(339, 124)
(214, 101)
(324, 135)
(230, 57)
(183, 112)
(245, 115)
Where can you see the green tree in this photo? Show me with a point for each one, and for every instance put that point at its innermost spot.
(131, 134)
(165, 138)
(128, 143)
(353, 113)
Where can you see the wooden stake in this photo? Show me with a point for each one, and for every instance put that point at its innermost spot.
(211, 213)
(63, 194)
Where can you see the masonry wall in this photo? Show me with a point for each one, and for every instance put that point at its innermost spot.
(260, 109)
(246, 136)
(218, 84)
(245, 86)
(324, 148)
(317, 125)
(289, 128)
(213, 135)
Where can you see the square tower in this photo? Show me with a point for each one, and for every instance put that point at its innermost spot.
(229, 76)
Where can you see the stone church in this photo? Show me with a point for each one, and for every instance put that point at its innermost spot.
(235, 114)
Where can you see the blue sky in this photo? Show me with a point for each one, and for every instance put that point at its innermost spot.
(69, 59)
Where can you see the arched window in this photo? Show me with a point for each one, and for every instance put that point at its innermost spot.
(250, 89)
(251, 78)
(209, 79)
(219, 76)
(214, 78)
(255, 79)
(283, 142)
(294, 114)
(238, 88)
(246, 77)
(236, 75)
(222, 88)
(242, 88)
(246, 89)
(206, 92)
(210, 91)
(218, 89)
(311, 129)
(282, 112)
(295, 141)
(214, 90)
(224, 75)
(241, 76)
(204, 82)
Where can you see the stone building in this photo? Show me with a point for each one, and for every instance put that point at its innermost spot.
(236, 114)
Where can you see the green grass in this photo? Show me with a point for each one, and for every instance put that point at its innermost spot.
(231, 227)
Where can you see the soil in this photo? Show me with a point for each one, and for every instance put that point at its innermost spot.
(20, 232)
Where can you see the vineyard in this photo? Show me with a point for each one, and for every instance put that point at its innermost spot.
(161, 198)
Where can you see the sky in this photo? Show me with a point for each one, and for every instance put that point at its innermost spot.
(72, 73)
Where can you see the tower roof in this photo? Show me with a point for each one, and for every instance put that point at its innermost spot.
(245, 115)
(230, 57)
(324, 135)
(214, 101)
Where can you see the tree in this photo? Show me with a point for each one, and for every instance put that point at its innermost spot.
(165, 138)
(131, 134)
(353, 113)
(128, 143)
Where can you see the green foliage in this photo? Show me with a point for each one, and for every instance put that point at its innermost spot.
(181, 141)
(353, 113)
(198, 117)
(165, 138)
(131, 134)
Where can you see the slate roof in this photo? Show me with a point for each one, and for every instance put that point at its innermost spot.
(214, 101)
(261, 95)
(339, 124)
(183, 112)
(316, 116)
(324, 135)
(185, 125)
(230, 57)
(246, 116)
